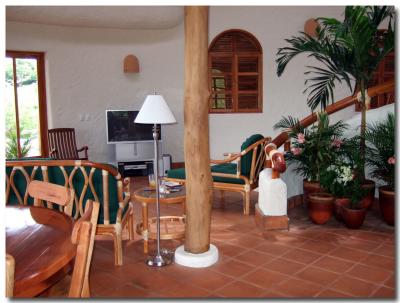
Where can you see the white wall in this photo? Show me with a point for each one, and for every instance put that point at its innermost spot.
(282, 95)
(85, 74)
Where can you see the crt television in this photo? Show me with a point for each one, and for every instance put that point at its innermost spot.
(121, 127)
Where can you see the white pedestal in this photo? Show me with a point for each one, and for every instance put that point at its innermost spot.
(205, 259)
(272, 194)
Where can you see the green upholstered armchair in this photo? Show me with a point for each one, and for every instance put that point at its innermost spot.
(90, 180)
(238, 172)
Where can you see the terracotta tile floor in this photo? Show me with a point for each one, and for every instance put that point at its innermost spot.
(328, 261)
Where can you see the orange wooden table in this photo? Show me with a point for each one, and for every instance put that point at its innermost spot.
(40, 241)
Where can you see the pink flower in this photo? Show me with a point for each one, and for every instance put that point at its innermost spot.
(391, 160)
(296, 151)
(337, 143)
(301, 138)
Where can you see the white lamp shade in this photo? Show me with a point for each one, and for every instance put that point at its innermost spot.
(155, 111)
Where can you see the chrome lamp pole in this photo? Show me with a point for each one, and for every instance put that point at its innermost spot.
(157, 260)
(156, 111)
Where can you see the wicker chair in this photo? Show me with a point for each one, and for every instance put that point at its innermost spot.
(238, 173)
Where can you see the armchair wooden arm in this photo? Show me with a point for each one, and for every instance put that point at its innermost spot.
(227, 160)
(53, 153)
(85, 149)
(230, 154)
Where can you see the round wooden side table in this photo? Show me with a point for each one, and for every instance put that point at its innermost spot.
(172, 227)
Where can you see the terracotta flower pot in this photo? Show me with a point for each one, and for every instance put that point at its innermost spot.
(308, 188)
(339, 202)
(367, 201)
(386, 204)
(320, 207)
(353, 218)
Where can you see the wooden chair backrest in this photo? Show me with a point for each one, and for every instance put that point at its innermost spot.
(62, 140)
(52, 193)
(10, 269)
(257, 158)
(80, 277)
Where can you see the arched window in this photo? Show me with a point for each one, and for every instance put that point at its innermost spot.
(235, 73)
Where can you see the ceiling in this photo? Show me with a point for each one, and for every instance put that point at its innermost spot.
(122, 17)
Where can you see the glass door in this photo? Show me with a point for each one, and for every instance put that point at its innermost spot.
(25, 105)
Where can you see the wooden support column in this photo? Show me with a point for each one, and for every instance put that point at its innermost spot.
(197, 153)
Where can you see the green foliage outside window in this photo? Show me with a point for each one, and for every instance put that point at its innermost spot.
(12, 146)
(26, 73)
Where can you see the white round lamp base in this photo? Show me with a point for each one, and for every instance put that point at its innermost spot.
(205, 259)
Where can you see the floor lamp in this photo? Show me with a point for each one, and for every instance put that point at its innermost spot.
(156, 111)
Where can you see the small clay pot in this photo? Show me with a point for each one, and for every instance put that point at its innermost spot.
(339, 202)
(353, 218)
(320, 207)
(308, 188)
(367, 201)
(386, 204)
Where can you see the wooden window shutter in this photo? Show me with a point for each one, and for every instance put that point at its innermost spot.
(235, 73)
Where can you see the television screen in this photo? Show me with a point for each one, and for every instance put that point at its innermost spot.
(122, 128)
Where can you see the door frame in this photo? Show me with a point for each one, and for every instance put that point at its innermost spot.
(39, 56)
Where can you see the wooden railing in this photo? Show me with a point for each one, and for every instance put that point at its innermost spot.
(337, 106)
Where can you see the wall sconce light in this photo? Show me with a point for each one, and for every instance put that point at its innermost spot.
(131, 64)
(310, 27)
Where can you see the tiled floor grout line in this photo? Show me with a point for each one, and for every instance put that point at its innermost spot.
(239, 278)
(308, 266)
(380, 286)
(253, 270)
(283, 281)
(383, 283)
(353, 277)
(327, 286)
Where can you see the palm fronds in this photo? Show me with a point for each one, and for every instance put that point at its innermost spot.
(347, 50)
(288, 123)
(311, 147)
(381, 137)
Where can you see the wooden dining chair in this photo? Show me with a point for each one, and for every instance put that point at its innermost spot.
(52, 193)
(10, 269)
(79, 286)
(62, 144)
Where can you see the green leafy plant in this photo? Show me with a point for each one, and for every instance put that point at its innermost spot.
(312, 148)
(12, 143)
(26, 74)
(380, 152)
(347, 51)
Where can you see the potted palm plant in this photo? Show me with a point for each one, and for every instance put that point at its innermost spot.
(381, 159)
(312, 150)
(347, 52)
